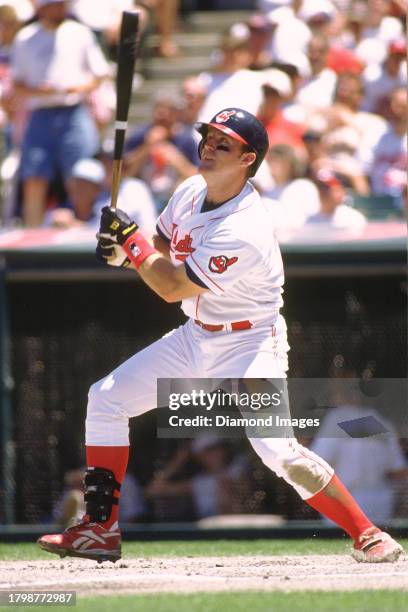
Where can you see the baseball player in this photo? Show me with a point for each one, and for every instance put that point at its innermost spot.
(215, 252)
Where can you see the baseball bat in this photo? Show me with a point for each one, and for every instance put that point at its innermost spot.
(126, 58)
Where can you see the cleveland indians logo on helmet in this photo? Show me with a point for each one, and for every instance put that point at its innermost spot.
(224, 116)
(220, 263)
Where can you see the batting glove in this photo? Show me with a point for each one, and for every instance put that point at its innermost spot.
(111, 253)
(115, 228)
(116, 225)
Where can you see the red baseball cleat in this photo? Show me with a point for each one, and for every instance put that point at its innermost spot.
(376, 546)
(87, 540)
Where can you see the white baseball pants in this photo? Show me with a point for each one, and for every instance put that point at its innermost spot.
(192, 352)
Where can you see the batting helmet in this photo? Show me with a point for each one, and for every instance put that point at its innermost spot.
(242, 126)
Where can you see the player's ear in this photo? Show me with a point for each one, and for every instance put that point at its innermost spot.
(248, 158)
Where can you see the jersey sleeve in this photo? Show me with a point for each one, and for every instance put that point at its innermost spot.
(162, 234)
(164, 222)
(219, 263)
(194, 278)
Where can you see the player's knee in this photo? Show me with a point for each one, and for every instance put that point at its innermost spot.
(286, 458)
(93, 397)
(101, 402)
(306, 472)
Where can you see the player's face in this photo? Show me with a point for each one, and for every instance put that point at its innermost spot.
(221, 153)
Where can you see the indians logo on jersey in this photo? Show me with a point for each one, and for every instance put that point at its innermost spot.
(221, 263)
(183, 247)
(224, 116)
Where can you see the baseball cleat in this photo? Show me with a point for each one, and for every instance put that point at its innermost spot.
(376, 546)
(86, 540)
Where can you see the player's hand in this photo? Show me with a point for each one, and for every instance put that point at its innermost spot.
(111, 253)
(116, 225)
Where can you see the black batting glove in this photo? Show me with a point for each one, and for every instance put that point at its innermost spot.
(116, 226)
(111, 253)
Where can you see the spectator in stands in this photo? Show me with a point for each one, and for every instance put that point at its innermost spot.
(297, 69)
(381, 79)
(260, 34)
(293, 198)
(231, 79)
(105, 21)
(317, 91)
(291, 35)
(378, 30)
(165, 16)
(354, 17)
(134, 195)
(9, 26)
(346, 112)
(84, 187)
(220, 484)
(24, 8)
(325, 19)
(368, 466)
(70, 506)
(55, 84)
(193, 93)
(334, 212)
(313, 140)
(388, 172)
(276, 89)
(163, 152)
(89, 190)
(341, 147)
(132, 501)
(318, 15)
(105, 24)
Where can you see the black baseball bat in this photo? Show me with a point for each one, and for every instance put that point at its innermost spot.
(126, 58)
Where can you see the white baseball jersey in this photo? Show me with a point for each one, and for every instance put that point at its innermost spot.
(231, 249)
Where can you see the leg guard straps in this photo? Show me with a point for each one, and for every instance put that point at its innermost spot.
(100, 485)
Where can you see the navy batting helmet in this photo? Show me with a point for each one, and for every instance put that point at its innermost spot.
(242, 126)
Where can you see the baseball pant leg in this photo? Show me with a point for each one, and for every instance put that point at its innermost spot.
(304, 470)
(262, 353)
(131, 389)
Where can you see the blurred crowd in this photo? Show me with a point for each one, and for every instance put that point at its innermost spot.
(328, 78)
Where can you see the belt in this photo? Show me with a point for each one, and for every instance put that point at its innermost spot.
(235, 326)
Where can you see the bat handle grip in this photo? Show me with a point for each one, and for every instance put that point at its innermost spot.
(117, 171)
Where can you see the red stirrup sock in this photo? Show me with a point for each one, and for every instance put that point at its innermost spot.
(338, 505)
(114, 458)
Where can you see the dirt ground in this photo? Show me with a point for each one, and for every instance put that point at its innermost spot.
(192, 574)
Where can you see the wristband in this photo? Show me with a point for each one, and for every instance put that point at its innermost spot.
(138, 249)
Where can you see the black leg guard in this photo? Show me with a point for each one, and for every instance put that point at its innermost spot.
(100, 485)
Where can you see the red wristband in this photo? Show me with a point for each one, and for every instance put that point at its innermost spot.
(137, 249)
